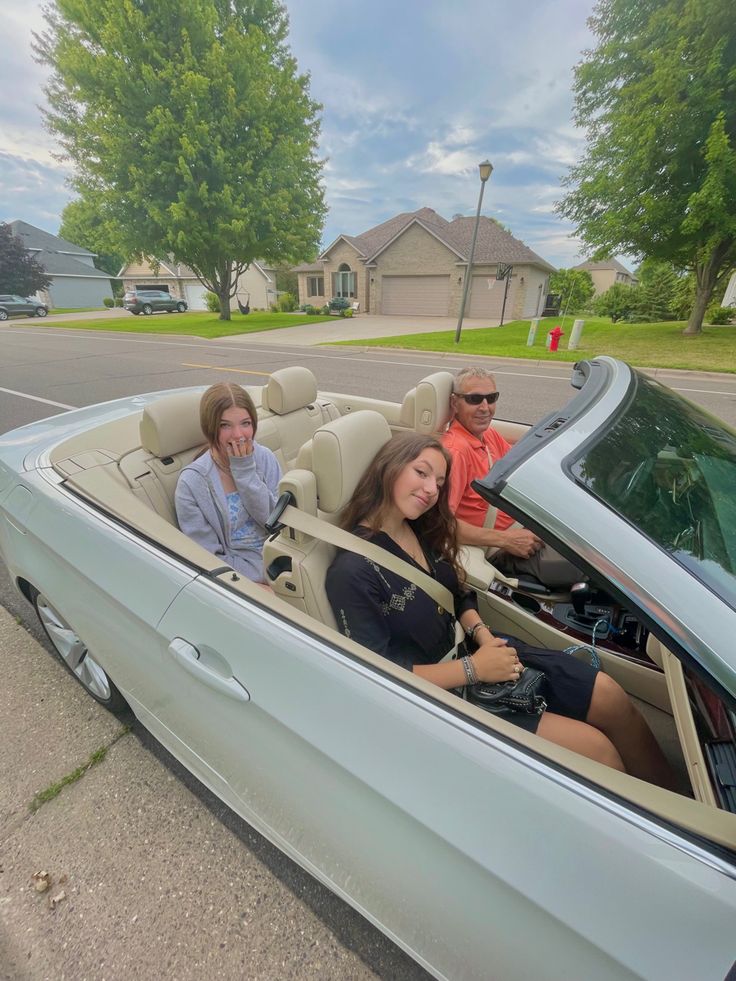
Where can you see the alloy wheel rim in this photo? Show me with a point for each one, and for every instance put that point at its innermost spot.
(73, 651)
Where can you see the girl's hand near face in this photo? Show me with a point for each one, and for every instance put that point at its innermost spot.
(240, 447)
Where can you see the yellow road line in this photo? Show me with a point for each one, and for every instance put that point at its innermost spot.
(216, 367)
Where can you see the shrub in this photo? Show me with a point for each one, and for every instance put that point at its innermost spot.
(348, 312)
(720, 315)
(118, 301)
(109, 302)
(325, 310)
(618, 302)
(286, 303)
(339, 303)
(309, 309)
(213, 302)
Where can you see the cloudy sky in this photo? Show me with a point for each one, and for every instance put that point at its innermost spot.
(415, 92)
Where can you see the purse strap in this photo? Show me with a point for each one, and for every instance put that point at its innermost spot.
(316, 527)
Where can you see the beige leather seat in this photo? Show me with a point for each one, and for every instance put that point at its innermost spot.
(291, 396)
(426, 407)
(296, 564)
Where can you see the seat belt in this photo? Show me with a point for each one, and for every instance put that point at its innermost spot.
(316, 527)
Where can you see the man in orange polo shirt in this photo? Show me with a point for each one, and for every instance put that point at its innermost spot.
(475, 446)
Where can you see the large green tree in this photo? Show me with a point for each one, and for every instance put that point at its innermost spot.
(190, 126)
(657, 96)
(19, 271)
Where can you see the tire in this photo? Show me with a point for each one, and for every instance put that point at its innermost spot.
(72, 652)
(181, 307)
(147, 309)
(3, 314)
(41, 311)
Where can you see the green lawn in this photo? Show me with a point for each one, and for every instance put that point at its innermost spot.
(202, 324)
(646, 345)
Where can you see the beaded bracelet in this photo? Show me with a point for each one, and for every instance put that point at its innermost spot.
(469, 669)
(471, 633)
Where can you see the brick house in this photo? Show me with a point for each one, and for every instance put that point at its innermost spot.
(415, 264)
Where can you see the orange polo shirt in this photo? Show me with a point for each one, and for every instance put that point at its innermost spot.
(472, 457)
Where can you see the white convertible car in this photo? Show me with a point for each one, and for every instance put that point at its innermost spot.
(482, 850)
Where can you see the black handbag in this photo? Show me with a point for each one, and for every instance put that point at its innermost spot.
(525, 695)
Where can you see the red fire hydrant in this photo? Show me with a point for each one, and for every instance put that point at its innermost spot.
(554, 338)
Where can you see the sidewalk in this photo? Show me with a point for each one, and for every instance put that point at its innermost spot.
(150, 880)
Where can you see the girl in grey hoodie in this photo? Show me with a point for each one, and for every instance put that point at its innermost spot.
(224, 497)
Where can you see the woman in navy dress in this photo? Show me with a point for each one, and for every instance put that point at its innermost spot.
(401, 504)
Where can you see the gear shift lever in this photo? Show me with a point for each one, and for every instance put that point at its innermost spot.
(579, 596)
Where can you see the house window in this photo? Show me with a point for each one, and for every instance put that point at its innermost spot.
(343, 282)
(315, 285)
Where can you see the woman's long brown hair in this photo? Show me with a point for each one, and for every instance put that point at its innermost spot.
(436, 528)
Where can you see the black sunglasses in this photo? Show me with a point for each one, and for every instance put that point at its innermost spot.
(475, 398)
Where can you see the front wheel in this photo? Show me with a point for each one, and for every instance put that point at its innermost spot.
(181, 307)
(72, 651)
(3, 314)
(147, 309)
(41, 311)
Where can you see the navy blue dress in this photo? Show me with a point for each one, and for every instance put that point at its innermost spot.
(389, 615)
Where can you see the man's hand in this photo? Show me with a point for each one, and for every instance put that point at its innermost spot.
(519, 541)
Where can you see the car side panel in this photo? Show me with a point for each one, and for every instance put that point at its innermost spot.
(106, 584)
(450, 839)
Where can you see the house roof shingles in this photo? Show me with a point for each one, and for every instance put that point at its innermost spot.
(591, 266)
(57, 256)
(493, 245)
(35, 238)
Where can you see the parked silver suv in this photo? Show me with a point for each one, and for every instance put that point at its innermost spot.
(152, 301)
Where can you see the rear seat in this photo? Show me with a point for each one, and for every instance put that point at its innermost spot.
(289, 413)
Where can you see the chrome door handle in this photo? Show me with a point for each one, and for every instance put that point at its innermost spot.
(188, 657)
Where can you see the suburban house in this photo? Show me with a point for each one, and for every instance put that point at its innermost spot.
(257, 285)
(606, 273)
(75, 282)
(415, 264)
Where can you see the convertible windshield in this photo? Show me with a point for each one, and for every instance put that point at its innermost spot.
(670, 469)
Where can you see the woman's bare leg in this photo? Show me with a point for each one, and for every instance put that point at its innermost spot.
(581, 738)
(612, 711)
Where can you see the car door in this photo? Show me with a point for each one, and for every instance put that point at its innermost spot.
(454, 839)
(22, 305)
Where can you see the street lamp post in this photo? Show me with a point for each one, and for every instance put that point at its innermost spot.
(486, 169)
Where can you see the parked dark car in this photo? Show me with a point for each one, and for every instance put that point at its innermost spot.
(152, 301)
(11, 305)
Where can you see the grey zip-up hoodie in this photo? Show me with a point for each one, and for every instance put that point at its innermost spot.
(202, 509)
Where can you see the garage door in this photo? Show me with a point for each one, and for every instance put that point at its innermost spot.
(486, 298)
(195, 296)
(418, 296)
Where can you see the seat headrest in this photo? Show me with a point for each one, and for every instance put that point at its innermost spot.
(171, 424)
(289, 389)
(432, 403)
(341, 453)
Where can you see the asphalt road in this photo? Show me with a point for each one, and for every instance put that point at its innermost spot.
(294, 927)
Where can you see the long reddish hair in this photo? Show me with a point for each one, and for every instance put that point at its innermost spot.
(372, 498)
